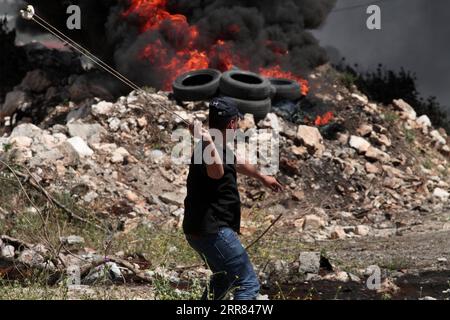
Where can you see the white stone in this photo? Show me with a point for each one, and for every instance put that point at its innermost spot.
(359, 144)
(408, 112)
(362, 230)
(80, 147)
(362, 98)
(441, 194)
(114, 123)
(309, 262)
(71, 240)
(424, 121)
(118, 156)
(21, 142)
(7, 252)
(88, 132)
(338, 233)
(270, 122)
(437, 137)
(313, 222)
(311, 138)
(26, 130)
(102, 108)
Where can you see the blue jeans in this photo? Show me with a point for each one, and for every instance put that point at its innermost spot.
(230, 264)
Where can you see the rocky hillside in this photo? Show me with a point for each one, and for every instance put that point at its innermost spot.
(375, 173)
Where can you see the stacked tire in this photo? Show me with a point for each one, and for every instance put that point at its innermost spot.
(197, 85)
(251, 92)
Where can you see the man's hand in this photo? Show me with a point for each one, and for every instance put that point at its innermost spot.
(199, 132)
(272, 183)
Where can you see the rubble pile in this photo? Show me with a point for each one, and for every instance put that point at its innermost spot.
(384, 174)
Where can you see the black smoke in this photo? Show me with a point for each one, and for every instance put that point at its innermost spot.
(265, 28)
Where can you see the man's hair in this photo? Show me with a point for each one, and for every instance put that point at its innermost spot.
(219, 124)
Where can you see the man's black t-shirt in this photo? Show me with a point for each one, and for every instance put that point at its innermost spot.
(211, 203)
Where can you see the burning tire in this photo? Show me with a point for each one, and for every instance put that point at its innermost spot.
(197, 85)
(259, 108)
(244, 85)
(273, 92)
(286, 89)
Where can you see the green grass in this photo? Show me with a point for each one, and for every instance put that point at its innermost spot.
(410, 135)
(391, 117)
(348, 79)
(427, 164)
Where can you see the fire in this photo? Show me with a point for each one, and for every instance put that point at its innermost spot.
(324, 120)
(276, 72)
(177, 50)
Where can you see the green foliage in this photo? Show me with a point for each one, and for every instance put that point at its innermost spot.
(348, 79)
(383, 86)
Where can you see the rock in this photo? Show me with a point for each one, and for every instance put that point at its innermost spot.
(79, 146)
(72, 240)
(46, 157)
(20, 155)
(90, 196)
(371, 168)
(179, 115)
(441, 194)
(388, 286)
(131, 196)
(175, 198)
(7, 252)
(437, 137)
(311, 138)
(377, 155)
(299, 151)
(247, 123)
(343, 138)
(26, 130)
(338, 233)
(36, 81)
(407, 111)
(427, 298)
(114, 124)
(15, 100)
(88, 132)
(109, 270)
(119, 155)
(21, 142)
(362, 230)
(359, 144)
(102, 108)
(142, 122)
(156, 155)
(340, 276)
(270, 122)
(383, 140)
(313, 222)
(30, 257)
(361, 98)
(298, 195)
(445, 150)
(309, 262)
(424, 122)
(364, 130)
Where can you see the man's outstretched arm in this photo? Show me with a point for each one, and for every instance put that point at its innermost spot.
(252, 171)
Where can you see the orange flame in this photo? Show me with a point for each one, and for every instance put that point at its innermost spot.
(324, 120)
(276, 72)
(181, 53)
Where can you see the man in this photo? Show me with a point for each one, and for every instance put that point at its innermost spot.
(212, 205)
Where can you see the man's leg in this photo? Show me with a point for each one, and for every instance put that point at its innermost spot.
(230, 264)
(237, 265)
(218, 285)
